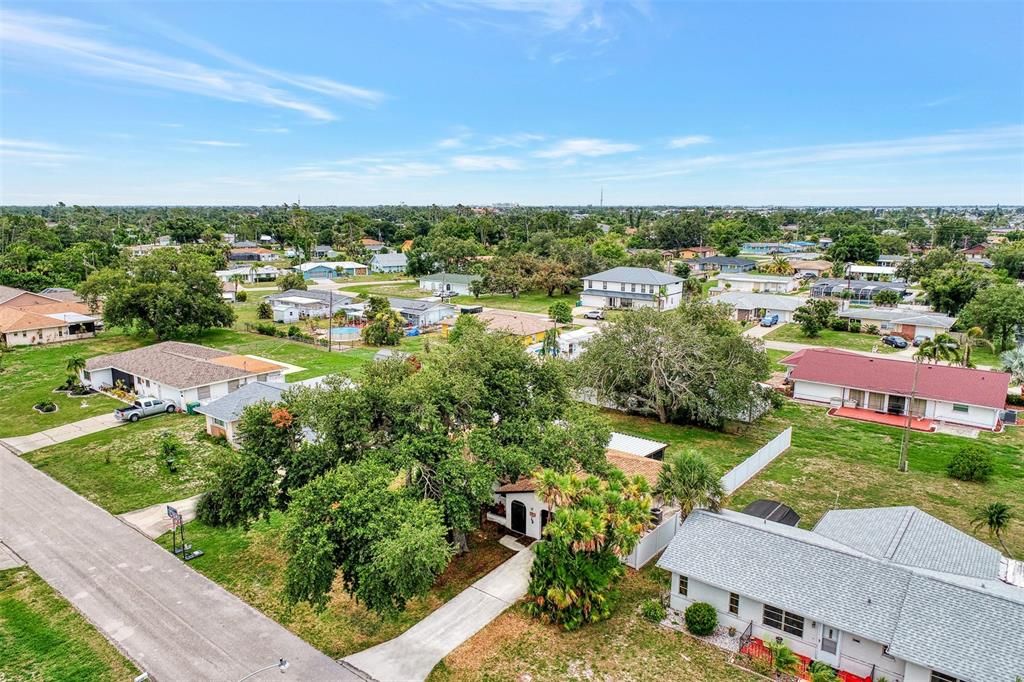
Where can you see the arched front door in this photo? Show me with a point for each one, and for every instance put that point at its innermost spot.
(519, 517)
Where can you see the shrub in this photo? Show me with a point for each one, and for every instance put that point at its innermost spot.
(293, 331)
(871, 329)
(701, 618)
(264, 311)
(241, 296)
(280, 332)
(1014, 399)
(653, 610)
(970, 463)
(840, 324)
(855, 326)
(822, 672)
(46, 406)
(265, 328)
(561, 312)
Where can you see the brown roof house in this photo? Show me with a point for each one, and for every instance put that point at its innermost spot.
(28, 319)
(179, 372)
(517, 506)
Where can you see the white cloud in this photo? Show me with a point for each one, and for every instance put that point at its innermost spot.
(554, 15)
(172, 125)
(485, 163)
(66, 43)
(451, 143)
(35, 152)
(584, 146)
(216, 143)
(688, 141)
(275, 130)
(361, 170)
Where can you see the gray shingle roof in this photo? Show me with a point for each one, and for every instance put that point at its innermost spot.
(450, 277)
(230, 407)
(751, 301)
(900, 316)
(390, 259)
(968, 627)
(726, 260)
(634, 276)
(339, 298)
(415, 305)
(909, 536)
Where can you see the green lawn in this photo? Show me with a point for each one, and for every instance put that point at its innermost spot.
(408, 289)
(31, 373)
(848, 340)
(121, 469)
(775, 356)
(314, 360)
(528, 302)
(42, 637)
(251, 564)
(516, 646)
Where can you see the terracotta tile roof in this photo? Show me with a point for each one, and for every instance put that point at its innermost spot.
(631, 465)
(250, 365)
(179, 365)
(937, 382)
(17, 319)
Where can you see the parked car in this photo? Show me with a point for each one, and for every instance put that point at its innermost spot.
(918, 340)
(594, 315)
(770, 320)
(144, 407)
(895, 341)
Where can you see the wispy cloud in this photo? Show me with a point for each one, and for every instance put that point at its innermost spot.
(66, 43)
(35, 152)
(276, 130)
(584, 146)
(172, 125)
(941, 101)
(216, 143)
(485, 163)
(688, 141)
(362, 170)
(554, 15)
(451, 142)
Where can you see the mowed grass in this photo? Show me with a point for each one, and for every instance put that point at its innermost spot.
(121, 469)
(527, 302)
(314, 360)
(43, 638)
(408, 289)
(251, 564)
(827, 337)
(625, 647)
(30, 373)
(775, 356)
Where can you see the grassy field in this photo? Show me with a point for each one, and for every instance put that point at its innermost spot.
(405, 290)
(624, 647)
(529, 302)
(251, 564)
(775, 356)
(31, 373)
(848, 464)
(848, 340)
(121, 469)
(43, 638)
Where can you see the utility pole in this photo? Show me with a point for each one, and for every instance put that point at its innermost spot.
(905, 444)
(330, 319)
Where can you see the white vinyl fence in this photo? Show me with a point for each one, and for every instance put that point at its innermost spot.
(747, 469)
(653, 542)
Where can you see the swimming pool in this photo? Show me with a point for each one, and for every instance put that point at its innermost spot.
(344, 333)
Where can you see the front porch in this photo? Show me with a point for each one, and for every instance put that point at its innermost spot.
(898, 420)
(755, 648)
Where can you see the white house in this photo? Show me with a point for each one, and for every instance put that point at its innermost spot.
(422, 312)
(299, 304)
(570, 344)
(448, 284)
(28, 319)
(756, 283)
(331, 269)
(901, 321)
(626, 287)
(874, 273)
(388, 262)
(229, 291)
(890, 592)
(749, 306)
(253, 273)
(876, 389)
(179, 372)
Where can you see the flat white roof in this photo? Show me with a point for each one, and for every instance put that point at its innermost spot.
(298, 300)
(634, 445)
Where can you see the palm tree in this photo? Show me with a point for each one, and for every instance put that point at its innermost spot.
(784, 661)
(690, 480)
(971, 338)
(75, 364)
(942, 347)
(778, 266)
(996, 517)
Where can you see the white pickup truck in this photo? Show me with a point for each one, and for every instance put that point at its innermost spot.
(144, 407)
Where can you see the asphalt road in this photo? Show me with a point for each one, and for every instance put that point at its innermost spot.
(169, 619)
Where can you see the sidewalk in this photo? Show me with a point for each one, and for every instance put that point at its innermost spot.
(414, 653)
(58, 434)
(153, 521)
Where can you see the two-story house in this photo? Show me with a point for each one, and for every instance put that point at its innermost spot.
(626, 287)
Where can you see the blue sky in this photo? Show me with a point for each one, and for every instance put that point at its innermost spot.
(481, 101)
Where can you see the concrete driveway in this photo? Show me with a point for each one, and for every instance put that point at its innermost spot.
(167, 618)
(154, 522)
(59, 434)
(413, 654)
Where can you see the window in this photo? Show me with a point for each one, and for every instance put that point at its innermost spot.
(962, 409)
(218, 422)
(86, 375)
(775, 617)
(684, 585)
(622, 287)
(632, 287)
(203, 392)
(734, 603)
(604, 285)
(857, 396)
(941, 677)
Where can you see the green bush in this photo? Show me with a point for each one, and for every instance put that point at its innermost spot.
(293, 331)
(855, 326)
(265, 328)
(970, 463)
(871, 329)
(840, 324)
(653, 610)
(46, 406)
(264, 311)
(701, 618)
(561, 312)
(241, 296)
(1016, 400)
(822, 672)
